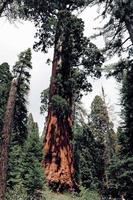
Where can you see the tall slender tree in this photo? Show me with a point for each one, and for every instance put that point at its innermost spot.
(5, 137)
(20, 73)
(104, 133)
(21, 70)
(120, 171)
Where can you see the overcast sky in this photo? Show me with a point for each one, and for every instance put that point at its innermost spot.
(15, 38)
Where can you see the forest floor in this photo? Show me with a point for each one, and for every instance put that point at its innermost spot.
(84, 195)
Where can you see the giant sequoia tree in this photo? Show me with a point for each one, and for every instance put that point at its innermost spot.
(74, 58)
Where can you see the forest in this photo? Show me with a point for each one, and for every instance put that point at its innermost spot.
(80, 154)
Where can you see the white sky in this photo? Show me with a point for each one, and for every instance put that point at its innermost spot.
(15, 38)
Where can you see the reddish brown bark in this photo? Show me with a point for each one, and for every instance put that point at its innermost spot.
(58, 161)
(5, 137)
(58, 153)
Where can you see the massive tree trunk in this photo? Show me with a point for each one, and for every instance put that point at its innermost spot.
(58, 161)
(5, 137)
(58, 153)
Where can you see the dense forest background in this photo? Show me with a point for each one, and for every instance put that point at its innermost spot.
(80, 154)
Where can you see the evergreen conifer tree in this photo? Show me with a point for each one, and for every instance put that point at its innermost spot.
(101, 126)
(32, 174)
(5, 82)
(25, 170)
(121, 169)
(19, 128)
(88, 158)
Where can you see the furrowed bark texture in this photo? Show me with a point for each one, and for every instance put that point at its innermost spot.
(5, 137)
(58, 153)
(58, 161)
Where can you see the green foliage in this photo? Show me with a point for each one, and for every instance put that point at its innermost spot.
(17, 193)
(60, 106)
(15, 168)
(44, 101)
(121, 173)
(25, 163)
(85, 194)
(21, 71)
(88, 158)
(55, 21)
(80, 59)
(99, 118)
(77, 55)
(127, 110)
(32, 174)
(45, 14)
(101, 125)
(5, 81)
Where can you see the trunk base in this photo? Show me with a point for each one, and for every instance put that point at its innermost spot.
(58, 161)
(62, 187)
